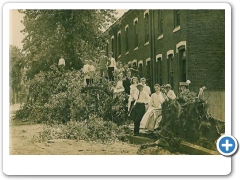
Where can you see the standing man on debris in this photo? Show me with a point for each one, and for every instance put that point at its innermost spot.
(112, 66)
(61, 63)
(103, 60)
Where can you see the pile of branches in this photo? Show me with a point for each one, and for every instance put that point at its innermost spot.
(58, 96)
(187, 118)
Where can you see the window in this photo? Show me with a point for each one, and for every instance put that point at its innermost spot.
(160, 23)
(170, 69)
(113, 44)
(182, 65)
(140, 70)
(107, 50)
(119, 43)
(148, 68)
(160, 70)
(127, 39)
(135, 34)
(146, 24)
(176, 18)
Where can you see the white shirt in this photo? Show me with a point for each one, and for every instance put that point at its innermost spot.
(92, 68)
(61, 62)
(85, 70)
(147, 89)
(171, 94)
(157, 100)
(133, 95)
(112, 62)
(133, 92)
(143, 98)
(119, 87)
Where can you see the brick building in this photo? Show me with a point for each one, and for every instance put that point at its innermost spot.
(169, 46)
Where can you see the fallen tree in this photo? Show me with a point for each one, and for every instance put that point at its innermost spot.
(187, 119)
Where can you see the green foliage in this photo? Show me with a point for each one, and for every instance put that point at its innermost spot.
(73, 34)
(60, 96)
(187, 118)
(94, 129)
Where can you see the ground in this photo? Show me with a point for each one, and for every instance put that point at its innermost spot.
(21, 143)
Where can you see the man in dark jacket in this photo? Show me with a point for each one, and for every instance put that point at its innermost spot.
(127, 83)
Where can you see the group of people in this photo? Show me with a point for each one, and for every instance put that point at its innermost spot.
(108, 68)
(143, 106)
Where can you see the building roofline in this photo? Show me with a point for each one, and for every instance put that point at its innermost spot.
(118, 21)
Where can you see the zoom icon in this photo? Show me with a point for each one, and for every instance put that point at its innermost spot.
(227, 145)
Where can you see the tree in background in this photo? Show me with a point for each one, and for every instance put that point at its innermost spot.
(16, 71)
(73, 34)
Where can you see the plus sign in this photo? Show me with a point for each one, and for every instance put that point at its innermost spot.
(227, 145)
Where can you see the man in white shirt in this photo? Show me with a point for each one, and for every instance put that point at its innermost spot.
(111, 66)
(61, 63)
(92, 70)
(103, 60)
(145, 87)
(142, 101)
(86, 73)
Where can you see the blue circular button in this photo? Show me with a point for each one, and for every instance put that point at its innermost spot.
(227, 145)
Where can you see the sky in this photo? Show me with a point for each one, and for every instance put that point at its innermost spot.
(16, 26)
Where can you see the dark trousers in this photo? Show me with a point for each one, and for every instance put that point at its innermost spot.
(139, 113)
(110, 73)
(89, 81)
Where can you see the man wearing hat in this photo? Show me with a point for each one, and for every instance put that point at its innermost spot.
(103, 64)
(145, 87)
(140, 109)
(170, 94)
(112, 66)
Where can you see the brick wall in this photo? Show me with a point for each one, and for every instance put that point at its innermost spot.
(203, 31)
(206, 49)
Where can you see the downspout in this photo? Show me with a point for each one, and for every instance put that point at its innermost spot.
(153, 47)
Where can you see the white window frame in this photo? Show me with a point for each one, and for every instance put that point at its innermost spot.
(126, 27)
(181, 43)
(170, 52)
(135, 20)
(146, 12)
(134, 61)
(158, 56)
(176, 29)
(148, 59)
(140, 62)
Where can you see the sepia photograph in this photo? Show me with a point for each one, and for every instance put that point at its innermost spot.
(116, 81)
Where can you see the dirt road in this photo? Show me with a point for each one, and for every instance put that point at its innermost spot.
(21, 143)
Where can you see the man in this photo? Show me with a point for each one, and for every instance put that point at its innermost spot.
(112, 66)
(125, 69)
(170, 94)
(127, 83)
(145, 87)
(140, 109)
(86, 73)
(92, 70)
(61, 62)
(103, 64)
